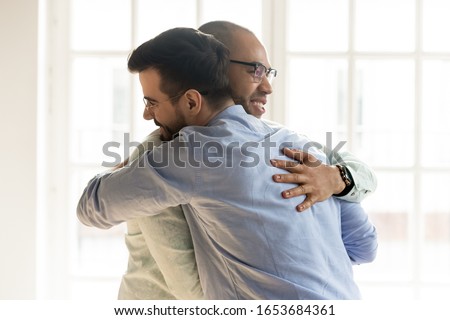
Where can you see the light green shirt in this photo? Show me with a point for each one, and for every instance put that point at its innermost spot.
(161, 263)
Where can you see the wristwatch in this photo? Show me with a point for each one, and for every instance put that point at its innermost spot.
(348, 180)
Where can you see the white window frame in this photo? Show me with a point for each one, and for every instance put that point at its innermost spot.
(55, 264)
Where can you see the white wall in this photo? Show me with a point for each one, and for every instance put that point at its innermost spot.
(18, 127)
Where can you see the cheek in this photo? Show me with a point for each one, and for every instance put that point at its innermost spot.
(242, 89)
(238, 82)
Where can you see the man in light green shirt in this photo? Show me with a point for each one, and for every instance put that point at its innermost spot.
(161, 254)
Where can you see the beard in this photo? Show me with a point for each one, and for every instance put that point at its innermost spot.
(167, 133)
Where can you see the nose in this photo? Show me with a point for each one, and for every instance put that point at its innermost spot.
(148, 113)
(265, 85)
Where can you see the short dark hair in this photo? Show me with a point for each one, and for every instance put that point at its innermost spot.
(185, 59)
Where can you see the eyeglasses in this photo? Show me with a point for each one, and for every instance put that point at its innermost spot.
(150, 103)
(259, 70)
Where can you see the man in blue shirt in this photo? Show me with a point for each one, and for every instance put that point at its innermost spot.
(249, 243)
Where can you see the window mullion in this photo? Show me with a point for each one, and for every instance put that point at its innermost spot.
(417, 221)
(132, 102)
(351, 114)
(279, 56)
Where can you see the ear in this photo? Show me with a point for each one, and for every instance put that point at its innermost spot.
(194, 102)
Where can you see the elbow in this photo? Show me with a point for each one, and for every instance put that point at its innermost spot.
(368, 257)
(82, 213)
(363, 257)
(90, 217)
(364, 251)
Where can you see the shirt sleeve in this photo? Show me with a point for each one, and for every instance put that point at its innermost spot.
(358, 233)
(363, 176)
(151, 141)
(146, 187)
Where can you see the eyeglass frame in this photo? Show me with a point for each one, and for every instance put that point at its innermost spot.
(150, 104)
(269, 72)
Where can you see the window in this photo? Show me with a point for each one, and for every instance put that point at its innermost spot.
(381, 87)
(376, 74)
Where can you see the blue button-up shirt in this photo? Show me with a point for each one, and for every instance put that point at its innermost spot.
(249, 242)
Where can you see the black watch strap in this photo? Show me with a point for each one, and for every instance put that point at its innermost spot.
(348, 180)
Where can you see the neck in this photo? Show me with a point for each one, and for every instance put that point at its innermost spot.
(207, 114)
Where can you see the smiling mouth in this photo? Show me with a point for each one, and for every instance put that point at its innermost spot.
(258, 106)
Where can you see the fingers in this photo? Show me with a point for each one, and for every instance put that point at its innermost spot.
(295, 154)
(307, 203)
(289, 178)
(302, 157)
(302, 189)
(300, 173)
(291, 166)
(295, 192)
(298, 191)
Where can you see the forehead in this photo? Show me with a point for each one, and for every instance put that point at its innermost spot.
(247, 47)
(150, 80)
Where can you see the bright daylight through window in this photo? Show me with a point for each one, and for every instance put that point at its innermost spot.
(376, 74)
